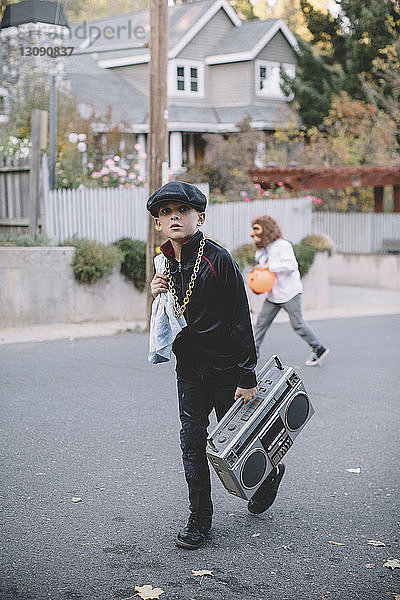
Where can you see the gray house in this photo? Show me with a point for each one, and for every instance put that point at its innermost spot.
(220, 71)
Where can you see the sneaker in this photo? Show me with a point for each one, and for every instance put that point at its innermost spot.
(194, 534)
(317, 356)
(266, 493)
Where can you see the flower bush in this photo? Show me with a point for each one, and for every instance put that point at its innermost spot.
(114, 175)
(14, 147)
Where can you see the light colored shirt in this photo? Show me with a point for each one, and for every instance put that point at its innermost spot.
(282, 261)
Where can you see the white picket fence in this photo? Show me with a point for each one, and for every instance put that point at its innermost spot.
(358, 233)
(109, 214)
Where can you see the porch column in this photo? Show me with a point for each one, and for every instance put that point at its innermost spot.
(378, 207)
(191, 150)
(142, 156)
(175, 151)
(396, 198)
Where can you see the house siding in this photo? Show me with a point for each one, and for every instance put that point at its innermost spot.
(208, 37)
(135, 75)
(231, 84)
(278, 49)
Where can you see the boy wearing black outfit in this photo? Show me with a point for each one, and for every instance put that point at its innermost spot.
(215, 352)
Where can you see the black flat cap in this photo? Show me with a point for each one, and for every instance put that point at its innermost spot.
(177, 191)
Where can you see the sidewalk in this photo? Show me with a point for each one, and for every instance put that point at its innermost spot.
(344, 302)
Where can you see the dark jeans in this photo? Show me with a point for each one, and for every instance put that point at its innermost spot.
(198, 394)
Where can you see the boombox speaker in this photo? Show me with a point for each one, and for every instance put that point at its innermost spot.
(251, 439)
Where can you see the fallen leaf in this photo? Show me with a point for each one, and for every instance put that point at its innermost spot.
(392, 563)
(256, 535)
(356, 471)
(335, 543)
(201, 573)
(370, 566)
(76, 499)
(147, 592)
(375, 543)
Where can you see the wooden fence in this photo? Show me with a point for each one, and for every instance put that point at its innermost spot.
(14, 195)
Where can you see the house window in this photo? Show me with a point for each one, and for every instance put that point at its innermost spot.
(180, 78)
(193, 79)
(186, 78)
(268, 78)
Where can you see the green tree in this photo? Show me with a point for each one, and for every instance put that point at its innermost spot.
(342, 50)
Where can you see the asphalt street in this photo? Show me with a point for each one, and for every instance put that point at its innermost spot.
(91, 419)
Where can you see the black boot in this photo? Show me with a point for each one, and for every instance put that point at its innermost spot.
(266, 493)
(194, 534)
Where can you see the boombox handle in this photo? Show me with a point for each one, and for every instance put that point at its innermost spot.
(274, 359)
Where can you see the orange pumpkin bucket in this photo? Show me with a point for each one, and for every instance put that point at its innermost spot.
(261, 280)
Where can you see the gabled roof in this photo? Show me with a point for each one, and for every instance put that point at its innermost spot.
(248, 41)
(94, 87)
(185, 22)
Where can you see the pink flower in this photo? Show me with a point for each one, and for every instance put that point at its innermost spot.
(243, 194)
(110, 162)
(319, 201)
(246, 199)
(257, 186)
(136, 167)
(96, 174)
(105, 178)
(280, 183)
(132, 175)
(116, 158)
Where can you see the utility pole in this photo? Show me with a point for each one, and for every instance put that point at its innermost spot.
(53, 127)
(158, 122)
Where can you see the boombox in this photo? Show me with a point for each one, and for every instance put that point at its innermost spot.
(251, 439)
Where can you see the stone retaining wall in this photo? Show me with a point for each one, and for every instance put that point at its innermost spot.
(37, 286)
(365, 270)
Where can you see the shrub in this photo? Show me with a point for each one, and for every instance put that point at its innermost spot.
(304, 256)
(21, 239)
(133, 264)
(244, 255)
(93, 260)
(320, 243)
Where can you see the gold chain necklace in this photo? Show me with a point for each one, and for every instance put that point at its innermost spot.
(179, 310)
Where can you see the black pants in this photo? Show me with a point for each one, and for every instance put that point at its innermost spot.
(198, 394)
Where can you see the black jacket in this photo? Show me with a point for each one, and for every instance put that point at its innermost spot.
(218, 338)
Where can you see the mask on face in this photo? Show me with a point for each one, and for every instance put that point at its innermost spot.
(265, 230)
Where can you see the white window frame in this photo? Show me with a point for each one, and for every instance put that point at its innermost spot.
(173, 78)
(275, 92)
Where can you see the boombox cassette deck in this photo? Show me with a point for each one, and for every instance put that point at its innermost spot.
(251, 439)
